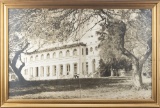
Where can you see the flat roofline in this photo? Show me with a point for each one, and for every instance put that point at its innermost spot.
(57, 48)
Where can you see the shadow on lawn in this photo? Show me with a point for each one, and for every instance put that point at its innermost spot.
(34, 87)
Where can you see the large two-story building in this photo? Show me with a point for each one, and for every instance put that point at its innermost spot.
(78, 59)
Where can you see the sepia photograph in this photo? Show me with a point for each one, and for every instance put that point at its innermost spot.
(80, 53)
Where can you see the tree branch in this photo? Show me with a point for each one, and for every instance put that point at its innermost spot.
(129, 54)
(18, 53)
(146, 55)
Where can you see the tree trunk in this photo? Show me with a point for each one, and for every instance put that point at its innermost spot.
(13, 63)
(20, 77)
(18, 73)
(137, 75)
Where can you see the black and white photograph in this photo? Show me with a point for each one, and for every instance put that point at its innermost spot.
(57, 53)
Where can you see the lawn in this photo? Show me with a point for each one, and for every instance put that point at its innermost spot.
(90, 88)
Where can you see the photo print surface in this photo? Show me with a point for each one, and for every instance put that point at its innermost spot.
(80, 53)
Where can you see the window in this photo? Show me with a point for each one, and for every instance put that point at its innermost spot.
(61, 69)
(86, 51)
(86, 67)
(54, 70)
(36, 57)
(82, 51)
(68, 69)
(75, 52)
(42, 57)
(48, 56)
(75, 68)
(91, 49)
(31, 59)
(60, 54)
(54, 55)
(67, 53)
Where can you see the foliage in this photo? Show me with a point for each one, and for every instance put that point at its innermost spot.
(122, 63)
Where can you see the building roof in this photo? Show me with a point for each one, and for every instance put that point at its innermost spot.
(57, 48)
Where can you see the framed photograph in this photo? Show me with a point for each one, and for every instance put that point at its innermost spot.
(80, 53)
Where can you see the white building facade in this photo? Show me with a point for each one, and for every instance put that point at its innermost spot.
(67, 61)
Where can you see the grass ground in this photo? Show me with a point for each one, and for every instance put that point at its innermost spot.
(93, 88)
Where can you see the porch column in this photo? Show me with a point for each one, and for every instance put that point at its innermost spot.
(84, 66)
(90, 67)
(51, 71)
(29, 72)
(39, 71)
(72, 69)
(45, 71)
(33, 71)
(42, 71)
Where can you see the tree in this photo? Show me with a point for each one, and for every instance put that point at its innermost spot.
(111, 67)
(14, 61)
(117, 35)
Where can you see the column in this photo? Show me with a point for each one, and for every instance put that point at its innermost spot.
(80, 61)
(51, 71)
(64, 69)
(26, 71)
(90, 67)
(42, 71)
(30, 72)
(34, 71)
(84, 64)
(72, 69)
(39, 71)
(79, 67)
(45, 71)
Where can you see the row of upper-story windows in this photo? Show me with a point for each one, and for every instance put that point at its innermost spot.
(75, 53)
